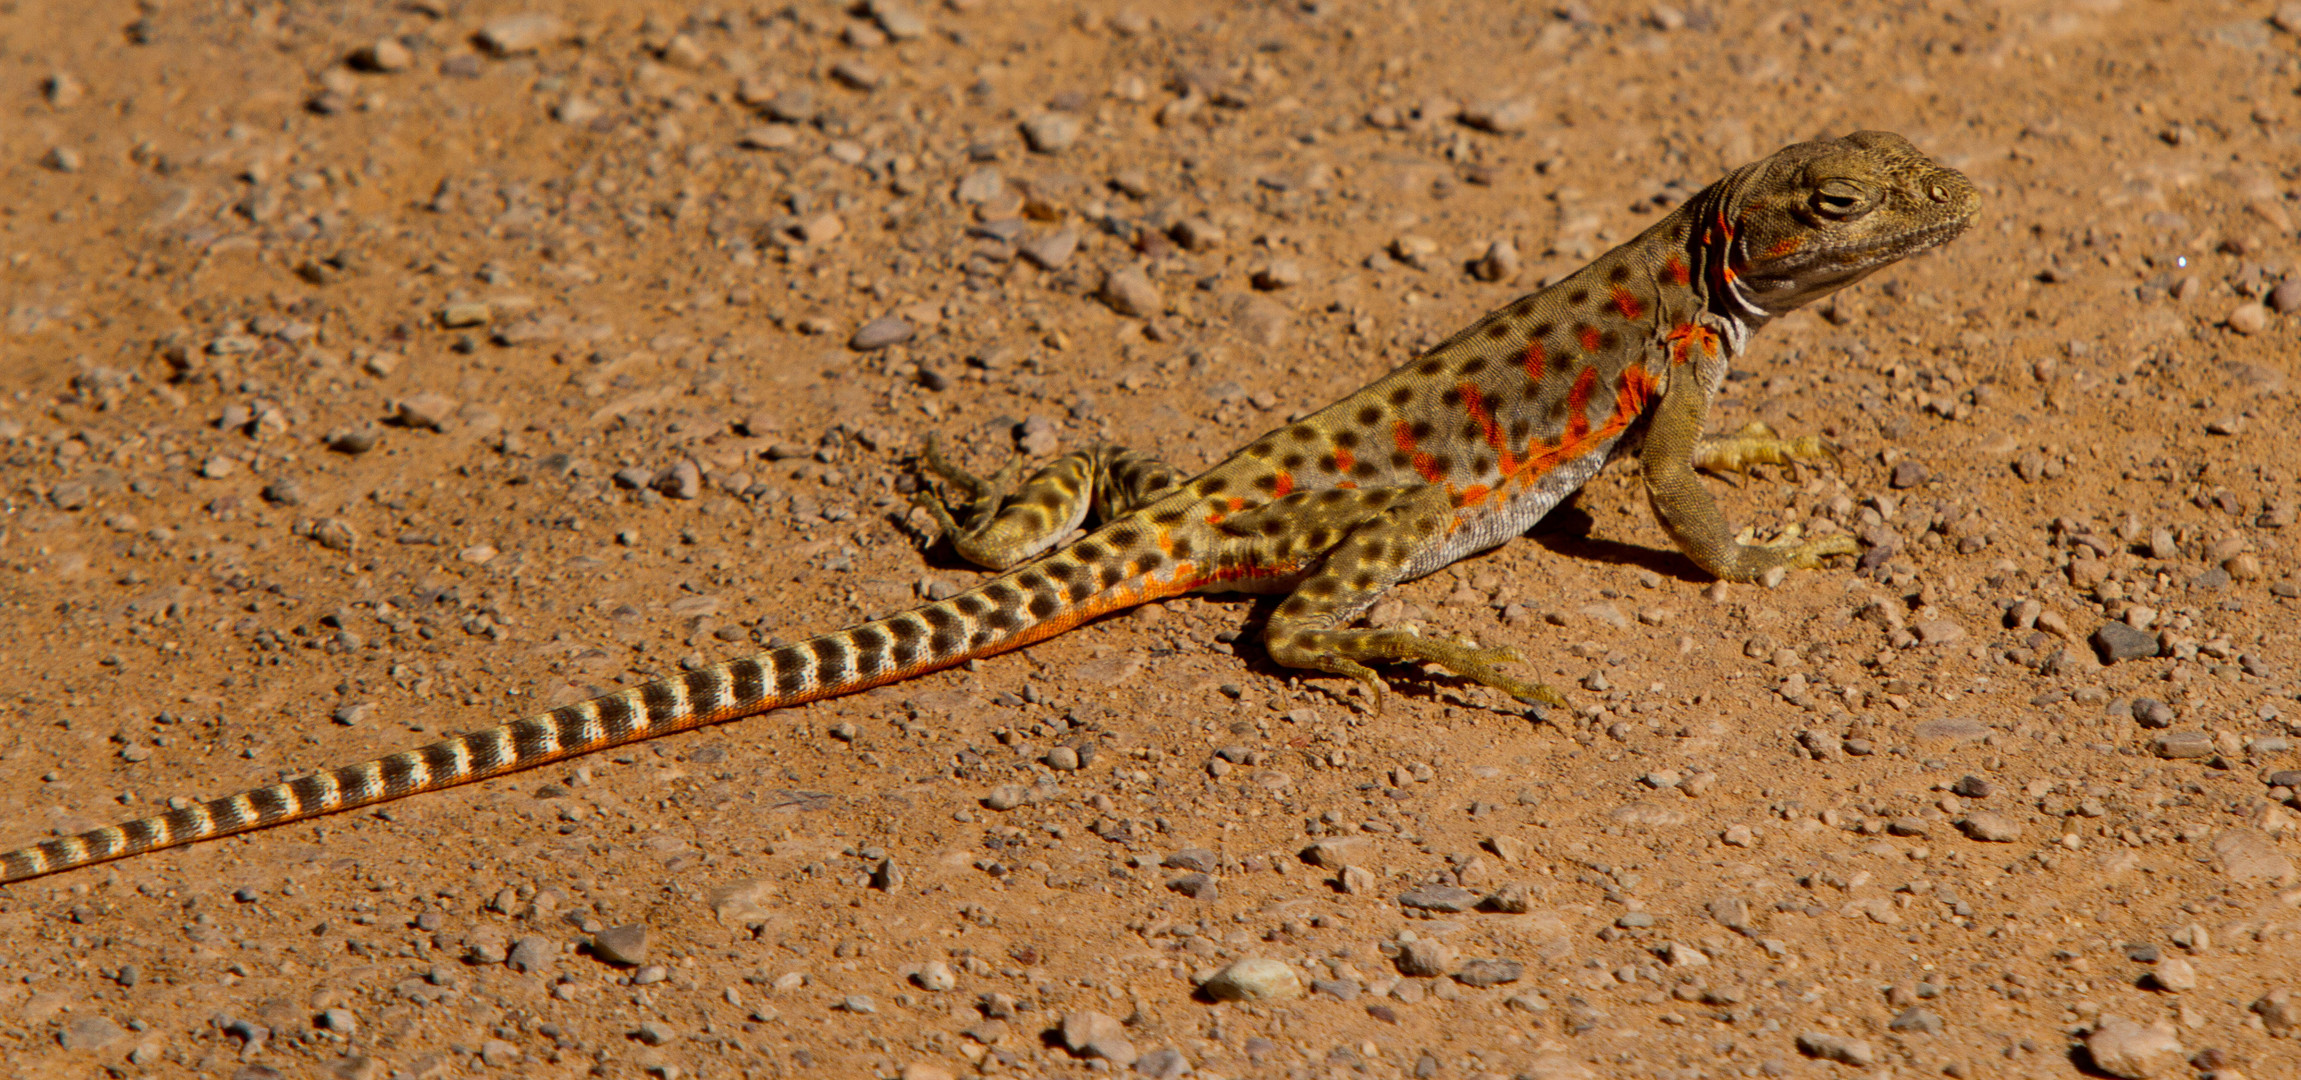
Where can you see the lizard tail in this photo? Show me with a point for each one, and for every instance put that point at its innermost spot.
(1007, 612)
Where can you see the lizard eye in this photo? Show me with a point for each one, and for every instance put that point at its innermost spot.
(1840, 199)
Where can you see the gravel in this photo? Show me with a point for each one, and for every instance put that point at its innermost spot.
(1129, 292)
(624, 945)
(1426, 958)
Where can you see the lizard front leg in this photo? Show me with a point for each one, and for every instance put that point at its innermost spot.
(1361, 543)
(1008, 524)
(1674, 449)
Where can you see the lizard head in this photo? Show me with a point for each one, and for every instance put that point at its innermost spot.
(1818, 216)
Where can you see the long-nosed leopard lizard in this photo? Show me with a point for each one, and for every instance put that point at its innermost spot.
(1453, 453)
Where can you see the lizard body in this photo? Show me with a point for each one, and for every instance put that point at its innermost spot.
(1453, 453)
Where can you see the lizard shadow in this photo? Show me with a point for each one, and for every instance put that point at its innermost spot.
(1566, 532)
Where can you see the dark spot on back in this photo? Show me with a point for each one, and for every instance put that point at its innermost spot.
(1421, 430)
(1212, 485)
(1452, 398)
(1302, 433)
(1497, 330)
(1618, 274)
(1291, 462)
(1432, 366)
(1578, 297)
(1402, 396)
(1473, 366)
(1347, 439)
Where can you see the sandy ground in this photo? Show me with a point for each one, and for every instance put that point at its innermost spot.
(369, 372)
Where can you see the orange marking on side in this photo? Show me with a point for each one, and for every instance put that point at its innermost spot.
(1428, 467)
(1784, 246)
(1344, 459)
(1404, 434)
(1674, 271)
(1237, 504)
(1165, 542)
(1348, 485)
(1285, 484)
(1472, 495)
(1537, 360)
(1578, 406)
(1728, 274)
(1590, 339)
(1627, 303)
(1474, 403)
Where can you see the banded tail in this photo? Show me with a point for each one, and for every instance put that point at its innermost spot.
(1015, 609)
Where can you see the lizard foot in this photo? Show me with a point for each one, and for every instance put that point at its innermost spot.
(1759, 444)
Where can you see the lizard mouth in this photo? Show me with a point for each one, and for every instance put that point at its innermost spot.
(1899, 244)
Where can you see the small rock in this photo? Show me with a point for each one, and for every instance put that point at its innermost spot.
(935, 976)
(1081, 1028)
(1279, 274)
(1938, 632)
(2116, 641)
(383, 55)
(1908, 473)
(1838, 1048)
(2174, 975)
(2152, 713)
(919, 1070)
(1501, 117)
(768, 137)
(2182, 745)
(1500, 263)
(525, 32)
(90, 1033)
(683, 480)
(1062, 759)
(2249, 318)
(431, 411)
(858, 1004)
(1426, 958)
(1991, 827)
(2280, 1011)
(1974, 787)
(1916, 1020)
(334, 534)
(1052, 251)
(1129, 292)
(1511, 899)
(1195, 886)
(882, 332)
(625, 945)
(1254, 979)
(530, 954)
(1948, 732)
(2123, 1048)
(1007, 797)
(1447, 898)
(1198, 859)
(653, 1033)
(1334, 853)
(821, 228)
(1052, 132)
(2285, 299)
(1486, 973)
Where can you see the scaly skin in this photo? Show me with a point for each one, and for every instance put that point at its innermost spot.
(1453, 453)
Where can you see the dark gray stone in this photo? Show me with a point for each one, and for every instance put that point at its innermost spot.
(1448, 898)
(2117, 641)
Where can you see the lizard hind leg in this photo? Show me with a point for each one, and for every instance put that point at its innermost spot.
(1380, 531)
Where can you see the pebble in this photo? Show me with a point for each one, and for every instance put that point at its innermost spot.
(2117, 641)
(62, 159)
(1165, 1063)
(2280, 1011)
(432, 411)
(1447, 898)
(1938, 631)
(625, 945)
(1007, 797)
(63, 90)
(1052, 251)
(1196, 886)
(919, 1070)
(1199, 859)
(1948, 732)
(858, 1004)
(1426, 958)
(1511, 899)
(935, 976)
(882, 332)
(2182, 745)
(1052, 132)
(1974, 787)
(858, 75)
(90, 1033)
(683, 480)
(1499, 263)
(1991, 827)
(524, 32)
(1278, 274)
(2152, 713)
(530, 954)
(2123, 1048)
(2249, 318)
(2285, 299)
(1500, 117)
(1129, 292)
(1485, 973)
(382, 55)
(2174, 975)
(1334, 853)
(1908, 473)
(1254, 978)
(1914, 1019)
(1062, 759)
(1838, 1048)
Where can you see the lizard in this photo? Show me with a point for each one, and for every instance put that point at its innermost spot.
(1462, 447)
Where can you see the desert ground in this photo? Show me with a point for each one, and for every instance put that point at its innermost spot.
(370, 372)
